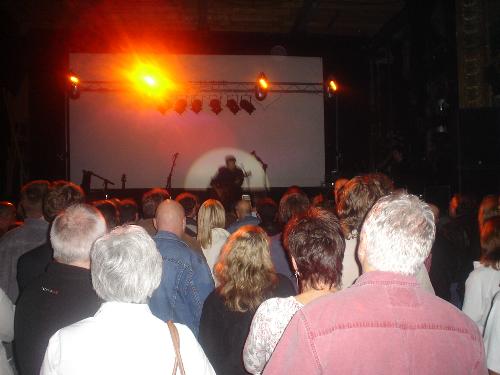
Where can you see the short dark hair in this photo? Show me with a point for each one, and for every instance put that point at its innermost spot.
(267, 210)
(129, 210)
(32, 196)
(188, 201)
(315, 240)
(151, 199)
(356, 198)
(292, 204)
(490, 243)
(110, 212)
(61, 195)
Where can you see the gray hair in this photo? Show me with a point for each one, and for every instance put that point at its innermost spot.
(125, 265)
(74, 231)
(398, 233)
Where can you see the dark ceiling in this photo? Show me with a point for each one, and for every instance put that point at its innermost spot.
(352, 18)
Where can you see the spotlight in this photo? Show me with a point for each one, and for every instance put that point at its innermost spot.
(215, 105)
(261, 87)
(74, 86)
(331, 88)
(165, 106)
(180, 106)
(196, 105)
(232, 104)
(247, 105)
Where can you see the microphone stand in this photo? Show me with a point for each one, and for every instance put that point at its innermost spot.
(169, 178)
(264, 167)
(104, 179)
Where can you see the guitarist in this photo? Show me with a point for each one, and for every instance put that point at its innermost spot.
(227, 183)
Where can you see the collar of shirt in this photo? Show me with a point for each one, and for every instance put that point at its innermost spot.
(386, 278)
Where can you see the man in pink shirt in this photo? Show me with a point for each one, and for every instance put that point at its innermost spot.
(384, 323)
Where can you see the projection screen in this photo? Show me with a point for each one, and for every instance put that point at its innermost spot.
(119, 131)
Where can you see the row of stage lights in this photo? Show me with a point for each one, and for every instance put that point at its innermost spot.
(245, 101)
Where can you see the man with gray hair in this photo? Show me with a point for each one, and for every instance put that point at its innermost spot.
(123, 337)
(385, 323)
(63, 294)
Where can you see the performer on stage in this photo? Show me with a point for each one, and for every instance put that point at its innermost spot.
(227, 183)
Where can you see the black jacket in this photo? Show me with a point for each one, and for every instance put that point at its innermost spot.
(33, 264)
(60, 297)
(223, 332)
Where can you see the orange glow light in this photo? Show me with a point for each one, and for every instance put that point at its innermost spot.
(263, 83)
(74, 79)
(151, 80)
(333, 85)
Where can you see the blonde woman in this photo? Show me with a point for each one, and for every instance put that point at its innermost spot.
(247, 278)
(211, 233)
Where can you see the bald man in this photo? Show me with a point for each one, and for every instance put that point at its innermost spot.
(186, 279)
(244, 214)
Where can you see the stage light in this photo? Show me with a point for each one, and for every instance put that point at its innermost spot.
(180, 106)
(74, 86)
(261, 87)
(196, 105)
(216, 106)
(165, 106)
(150, 80)
(331, 88)
(247, 105)
(232, 104)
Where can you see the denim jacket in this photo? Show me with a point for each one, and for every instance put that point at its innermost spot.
(186, 282)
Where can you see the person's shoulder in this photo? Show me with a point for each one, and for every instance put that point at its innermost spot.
(277, 304)
(219, 234)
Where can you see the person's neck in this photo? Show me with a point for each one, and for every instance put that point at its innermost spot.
(172, 230)
(80, 264)
(310, 294)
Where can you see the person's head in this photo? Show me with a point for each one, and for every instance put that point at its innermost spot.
(267, 209)
(294, 189)
(170, 217)
(189, 202)
(356, 198)
(60, 196)
(243, 208)
(129, 211)
(385, 184)
(245, 270)
(316, 244)
(211, 215)
(490, 243)
(318, 200)
(230, 162)
(110, 212)
(337, 186)
(151, 200)
(292, 204)
(397, 235)
(125, 265)
(7, 216)
(32, 196)
(489, 207)
(74, 231)
(461, 204)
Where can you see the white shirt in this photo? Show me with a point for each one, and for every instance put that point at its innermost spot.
(480, 287)
(268, 325)
(219, 237)
(122, 338)
(492, 337)
(6, 330)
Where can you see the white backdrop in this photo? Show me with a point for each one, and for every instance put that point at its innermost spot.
(115, 133)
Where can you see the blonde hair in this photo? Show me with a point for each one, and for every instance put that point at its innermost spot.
(211, 215)
(245, 270)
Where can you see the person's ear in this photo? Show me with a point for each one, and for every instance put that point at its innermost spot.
(154, 223)
(184, 224)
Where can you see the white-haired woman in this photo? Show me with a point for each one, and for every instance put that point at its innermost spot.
(211, 233)
(123, 337)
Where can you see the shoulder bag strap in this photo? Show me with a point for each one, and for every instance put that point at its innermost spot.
(174, 335)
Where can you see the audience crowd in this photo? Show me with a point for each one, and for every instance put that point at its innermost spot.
(367, 279)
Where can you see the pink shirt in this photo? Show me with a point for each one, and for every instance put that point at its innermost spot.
(383, 324)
